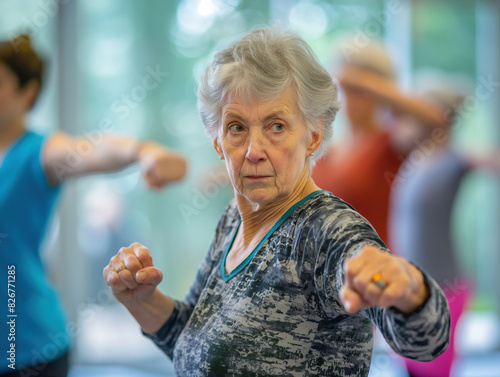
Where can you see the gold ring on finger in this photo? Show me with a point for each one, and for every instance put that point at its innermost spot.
(121, 268)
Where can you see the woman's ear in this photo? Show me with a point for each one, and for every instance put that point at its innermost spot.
(218, 149)
(315, 142)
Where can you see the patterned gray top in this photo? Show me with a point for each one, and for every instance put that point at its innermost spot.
(278, 313)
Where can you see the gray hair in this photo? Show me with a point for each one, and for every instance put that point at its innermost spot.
(262, 65)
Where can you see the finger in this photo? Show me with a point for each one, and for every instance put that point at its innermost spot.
(352, 268)
(376, 261)
(132, 264)
(153, 182)
(128, 279)
(113, 280)
(116, 261)
(351, 300)
(143, 255)
(149, 275)
(367, 256)
(394, 292)
(371, 295)
(363, 282)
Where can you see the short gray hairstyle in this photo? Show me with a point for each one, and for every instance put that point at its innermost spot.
(263, 64)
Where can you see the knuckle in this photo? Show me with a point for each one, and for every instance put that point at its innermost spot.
(349, 266)
(128, 259)
(133, 263)
(393, 266)
(369, 250)
(113, 280)
(385, 256)
(404, 282)
(122, 251)
(144, 254)
(392, 296)
(361, 284)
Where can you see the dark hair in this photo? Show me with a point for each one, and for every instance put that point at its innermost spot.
(22, 60)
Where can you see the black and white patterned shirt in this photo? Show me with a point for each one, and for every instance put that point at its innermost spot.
(279, 314)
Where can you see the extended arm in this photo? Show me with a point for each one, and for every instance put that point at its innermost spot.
(489, 161)
(65, 156)
(409, 308)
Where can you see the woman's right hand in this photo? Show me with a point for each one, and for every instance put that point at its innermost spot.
(131, 275)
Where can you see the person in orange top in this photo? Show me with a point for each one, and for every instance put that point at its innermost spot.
(360, 170)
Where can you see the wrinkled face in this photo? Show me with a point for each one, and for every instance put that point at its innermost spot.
(266, 146)
(14, 101)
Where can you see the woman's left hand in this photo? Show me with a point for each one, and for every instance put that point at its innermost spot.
(377, 278)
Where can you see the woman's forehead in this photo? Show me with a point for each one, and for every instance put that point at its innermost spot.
(284, 104)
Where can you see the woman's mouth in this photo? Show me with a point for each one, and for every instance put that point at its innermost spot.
(256, 177)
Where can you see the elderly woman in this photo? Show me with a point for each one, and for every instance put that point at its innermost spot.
(295, 279)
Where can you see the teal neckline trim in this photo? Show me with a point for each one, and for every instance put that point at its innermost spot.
(247, 260)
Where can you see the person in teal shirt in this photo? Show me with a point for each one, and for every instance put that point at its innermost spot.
(32, 170)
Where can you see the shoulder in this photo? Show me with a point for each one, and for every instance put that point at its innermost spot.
(324, 211)
(27, 159)
(28, 143)
(326, 224)
(27, 149)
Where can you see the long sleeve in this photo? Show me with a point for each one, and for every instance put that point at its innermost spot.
(169, 333)
(422, 335)
(281, 313)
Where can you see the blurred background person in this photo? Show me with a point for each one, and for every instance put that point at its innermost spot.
(423, 198)
(32, 169)
(359, 169)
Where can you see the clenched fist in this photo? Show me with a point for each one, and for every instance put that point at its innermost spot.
(161, 165)
(131, 275)
(377, 278)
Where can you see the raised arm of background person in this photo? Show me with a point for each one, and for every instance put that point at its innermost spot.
(67, 156)
(488, 161)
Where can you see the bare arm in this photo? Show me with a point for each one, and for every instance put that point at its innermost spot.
(489, 161)
(133, 280)
(65, 156)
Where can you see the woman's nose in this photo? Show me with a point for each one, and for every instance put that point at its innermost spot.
(256, 150)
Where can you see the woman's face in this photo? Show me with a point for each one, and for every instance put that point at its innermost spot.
(266, 146)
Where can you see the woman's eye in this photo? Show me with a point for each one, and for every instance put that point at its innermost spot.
(236, 128)
(277, 127)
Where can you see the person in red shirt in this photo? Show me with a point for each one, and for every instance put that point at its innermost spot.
(360, 170)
